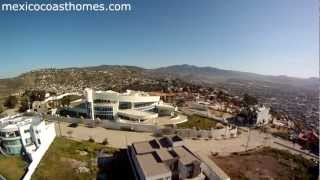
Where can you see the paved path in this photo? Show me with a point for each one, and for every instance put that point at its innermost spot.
(120, 139)
(116, 138)
(257, 139)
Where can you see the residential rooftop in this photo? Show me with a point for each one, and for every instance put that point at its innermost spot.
(185, 157)
(150, 166)
(18, 120)
(156, 158)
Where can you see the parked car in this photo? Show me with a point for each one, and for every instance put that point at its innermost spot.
(73, 125)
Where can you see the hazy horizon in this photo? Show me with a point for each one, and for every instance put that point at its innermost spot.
(67, 67)
(276, 37)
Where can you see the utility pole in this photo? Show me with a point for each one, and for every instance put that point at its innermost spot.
(29, 106)
(248, 139)
(59, 125)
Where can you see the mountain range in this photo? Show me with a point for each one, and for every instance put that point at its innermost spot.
(213, 75)
(115, 75)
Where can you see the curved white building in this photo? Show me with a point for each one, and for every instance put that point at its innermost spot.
(21, 134)
(131, 105)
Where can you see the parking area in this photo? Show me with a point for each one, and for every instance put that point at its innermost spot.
(120, 139)
(116, 138)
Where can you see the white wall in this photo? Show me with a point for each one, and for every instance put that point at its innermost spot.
(24, 135)
(263, 116)
(49, 134)
(125, 98)
(60, 96)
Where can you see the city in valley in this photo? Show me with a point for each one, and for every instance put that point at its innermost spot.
(159, 90)
(121, 122)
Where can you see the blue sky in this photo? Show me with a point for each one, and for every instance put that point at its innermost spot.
(277, 37)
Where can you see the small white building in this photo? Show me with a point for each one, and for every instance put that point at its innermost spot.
(26, 135)
(21, 134)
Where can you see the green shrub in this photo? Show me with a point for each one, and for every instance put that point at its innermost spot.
(91, 139)
(105, 141)
(11, 102)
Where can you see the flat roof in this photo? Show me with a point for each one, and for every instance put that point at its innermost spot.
(164, 154)
(145, 146)
(18, 120)
(150, 166)
(132, 113)
(184, 156)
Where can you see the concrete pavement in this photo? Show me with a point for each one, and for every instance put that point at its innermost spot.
(116, 138)
(120, 139)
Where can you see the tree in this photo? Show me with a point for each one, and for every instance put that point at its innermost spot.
(65, 101)
(91, 139)
(11, 102)
(250, 115)
(105, 141)
(1, 108)
(35, 95)
(24, 104)
(275, 114)
(180, 102)
(249, 100)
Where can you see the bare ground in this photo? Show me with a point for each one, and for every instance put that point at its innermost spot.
(267, 163)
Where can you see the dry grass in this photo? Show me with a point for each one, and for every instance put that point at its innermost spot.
(12, 167)
(267, 163)
(59, 161)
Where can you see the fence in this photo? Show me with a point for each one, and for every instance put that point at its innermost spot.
(226, 132)
(107, 124)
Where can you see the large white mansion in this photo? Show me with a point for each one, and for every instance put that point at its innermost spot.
(132, 105)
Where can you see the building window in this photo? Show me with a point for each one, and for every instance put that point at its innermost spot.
(143, 104)
(10, 134)
(12, 142)
(28, 141)
(17, 133)
(104, 109)
(124, 105)
(26, 131)
(3, 134)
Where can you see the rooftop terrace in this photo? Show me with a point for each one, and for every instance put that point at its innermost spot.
(18, 120)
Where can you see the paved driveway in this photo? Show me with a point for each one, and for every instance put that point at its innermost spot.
(120, 139)
(116, 138)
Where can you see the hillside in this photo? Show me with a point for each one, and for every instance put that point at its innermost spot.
(117, 78)
(296, 97)
(214, 75)
(120, 77)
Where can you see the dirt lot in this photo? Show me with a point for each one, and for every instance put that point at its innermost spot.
(267, 163)
(68, 159)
